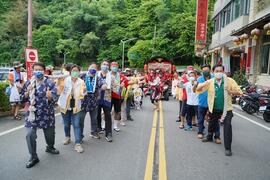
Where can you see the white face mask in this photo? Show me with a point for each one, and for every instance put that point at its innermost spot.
(218, 75)
(191, 79)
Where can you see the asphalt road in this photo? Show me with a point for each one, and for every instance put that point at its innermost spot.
(128, 157)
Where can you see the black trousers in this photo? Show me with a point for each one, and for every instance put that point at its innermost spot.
(227, 130)
(31, 139)
(116, 103)
(108, 119)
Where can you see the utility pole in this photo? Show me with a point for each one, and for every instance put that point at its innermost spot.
(154, 40)
(30, 17)
(123, 51)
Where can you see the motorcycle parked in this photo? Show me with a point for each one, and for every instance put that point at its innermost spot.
(256, 103)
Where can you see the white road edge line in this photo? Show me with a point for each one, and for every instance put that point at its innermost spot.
(254, 122)
(18, 127)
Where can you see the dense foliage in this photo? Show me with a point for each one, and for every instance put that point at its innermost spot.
(92, 30)
(4, 99)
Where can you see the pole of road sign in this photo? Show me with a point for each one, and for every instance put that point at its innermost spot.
(30, 11)
(123, 56)
(123, 53)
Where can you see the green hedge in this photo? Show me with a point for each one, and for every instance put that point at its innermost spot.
(4, 99)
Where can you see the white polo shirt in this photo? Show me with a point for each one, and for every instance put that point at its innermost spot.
(192, 97)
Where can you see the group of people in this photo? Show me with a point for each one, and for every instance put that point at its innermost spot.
(207, 97)
(106, 94)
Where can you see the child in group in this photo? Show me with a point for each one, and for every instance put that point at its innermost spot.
(138, 93)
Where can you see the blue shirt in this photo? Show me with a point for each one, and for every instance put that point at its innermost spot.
(203, 97)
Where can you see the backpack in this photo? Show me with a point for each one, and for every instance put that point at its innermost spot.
(8, 90)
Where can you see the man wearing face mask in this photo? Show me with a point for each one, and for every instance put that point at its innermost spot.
(120, 82)
(192, 99)
(203, 105)
(220, 91)
(41, 93)
(105, 99)
(90, 102)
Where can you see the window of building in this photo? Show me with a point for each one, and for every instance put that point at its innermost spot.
(223, 18)
(246, 7)
(265, 55)
(228, 13)
(217, 23)
(236, 9)
(265, 58)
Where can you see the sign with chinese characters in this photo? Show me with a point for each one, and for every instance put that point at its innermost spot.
(201, 21)
(31, 56)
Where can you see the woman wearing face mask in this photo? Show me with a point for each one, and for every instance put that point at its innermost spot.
(41, 93)
(70, 103)
(90, 102)
(192, 99)
(220, 90)
(105, 100)
(120, 83)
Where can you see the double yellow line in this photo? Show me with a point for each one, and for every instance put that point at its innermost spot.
(162, 171)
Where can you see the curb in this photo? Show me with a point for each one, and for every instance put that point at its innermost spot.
(5, 114)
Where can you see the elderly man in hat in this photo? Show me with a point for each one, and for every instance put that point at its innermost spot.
(16, 81)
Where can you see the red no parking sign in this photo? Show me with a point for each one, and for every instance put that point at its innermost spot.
(31, 56)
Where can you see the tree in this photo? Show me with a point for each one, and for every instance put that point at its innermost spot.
(140, 52)
(45, 39)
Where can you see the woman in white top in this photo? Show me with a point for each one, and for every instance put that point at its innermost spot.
(192, 99)
(70, 101)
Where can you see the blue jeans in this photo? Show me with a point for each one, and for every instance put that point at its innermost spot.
(69, 118)
(201, 115)
(94, 123)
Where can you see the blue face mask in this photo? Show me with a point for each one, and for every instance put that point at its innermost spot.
(92, 71)
(38, 74)
(114, 69)
(104, 68)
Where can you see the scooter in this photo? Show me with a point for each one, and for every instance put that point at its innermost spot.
(256, 103)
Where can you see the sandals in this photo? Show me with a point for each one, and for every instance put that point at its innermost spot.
(17, 117)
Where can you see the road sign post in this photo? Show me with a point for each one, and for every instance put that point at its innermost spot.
(31, 56)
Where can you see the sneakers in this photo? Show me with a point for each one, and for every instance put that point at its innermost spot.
(67, 141)
(200, 136)
(207, 140)
(51, 150)
(122, 124)
(116, 129)
(109, 138)
(228, 152)
(217, 141)
(188, 128)
(95, 136)
(78, 148)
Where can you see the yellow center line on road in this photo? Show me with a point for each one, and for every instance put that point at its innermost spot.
(151, 149)
(162, 174)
